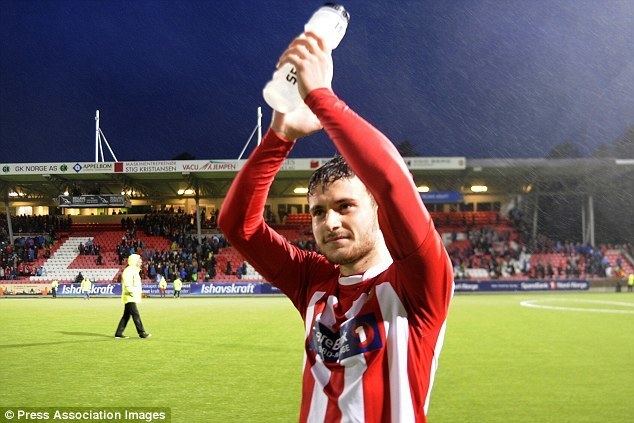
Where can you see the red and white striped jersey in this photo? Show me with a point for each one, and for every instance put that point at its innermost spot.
(372, 341)
(370, 356)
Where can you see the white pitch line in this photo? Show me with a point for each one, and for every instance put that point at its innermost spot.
(531, 304)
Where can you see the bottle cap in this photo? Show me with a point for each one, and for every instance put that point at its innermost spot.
(340, 9)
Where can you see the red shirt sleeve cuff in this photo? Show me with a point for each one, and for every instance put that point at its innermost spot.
(275, 137)
(316, 95)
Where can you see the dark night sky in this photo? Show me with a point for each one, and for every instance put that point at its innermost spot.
(474, 78)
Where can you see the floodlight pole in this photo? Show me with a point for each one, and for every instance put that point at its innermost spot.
(587, 221)
(107, 145)
(198, 225)
(6, 208)
(98, 146)
(259, 125)
(258, 128)
(591, 220)
(535, 216)
(97, 137)
(584, 233)
(101, 149)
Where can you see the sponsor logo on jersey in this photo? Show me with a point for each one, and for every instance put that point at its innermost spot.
(356, 336)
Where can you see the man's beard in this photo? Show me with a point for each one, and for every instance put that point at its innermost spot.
(351, 254)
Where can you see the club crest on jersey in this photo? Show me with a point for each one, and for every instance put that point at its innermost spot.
(356, 336)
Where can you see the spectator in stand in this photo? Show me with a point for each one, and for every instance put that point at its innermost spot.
(48, 224)
(211, 272)
(540, 271)
(241, 270)
(151, 271)
(32, 255)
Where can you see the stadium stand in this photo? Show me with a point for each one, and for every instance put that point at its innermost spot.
(482, 245)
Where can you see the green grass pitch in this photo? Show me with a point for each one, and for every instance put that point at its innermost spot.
(239, 359)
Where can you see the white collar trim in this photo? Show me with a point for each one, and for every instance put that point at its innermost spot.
(368, 274)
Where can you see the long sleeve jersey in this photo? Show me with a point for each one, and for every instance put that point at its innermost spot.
(372, 341)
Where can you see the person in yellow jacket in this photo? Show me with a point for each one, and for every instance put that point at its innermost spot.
(86, 287)
(130, 296)
(162, 285)
(54, 285)
(178, 285)
(630, 282)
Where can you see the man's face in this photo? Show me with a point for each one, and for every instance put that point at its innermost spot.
(344, 221)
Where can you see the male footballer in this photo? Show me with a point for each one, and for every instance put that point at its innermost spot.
(375, 299)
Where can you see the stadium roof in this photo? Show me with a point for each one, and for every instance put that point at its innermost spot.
(162, 180)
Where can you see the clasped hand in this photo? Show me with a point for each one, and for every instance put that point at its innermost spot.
(313, 63)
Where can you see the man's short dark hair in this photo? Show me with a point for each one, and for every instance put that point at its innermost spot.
(331, 171)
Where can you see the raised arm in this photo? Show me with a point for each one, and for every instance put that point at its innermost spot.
(404, 220)
(241, 216)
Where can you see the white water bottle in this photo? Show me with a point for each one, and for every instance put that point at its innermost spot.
(329, 22)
